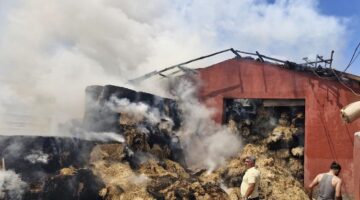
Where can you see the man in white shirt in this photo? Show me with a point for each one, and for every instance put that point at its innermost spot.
(249, 188)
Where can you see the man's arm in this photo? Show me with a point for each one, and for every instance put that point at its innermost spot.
(250, 190)
(338, 190)
(314, 183)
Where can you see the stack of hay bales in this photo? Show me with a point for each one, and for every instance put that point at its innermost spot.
(276, 180)
(154, 179)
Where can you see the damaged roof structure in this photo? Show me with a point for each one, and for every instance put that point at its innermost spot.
(321, 67)
(323, 89)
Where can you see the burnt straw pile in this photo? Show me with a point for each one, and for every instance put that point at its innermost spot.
(37, 167)
(151, 160)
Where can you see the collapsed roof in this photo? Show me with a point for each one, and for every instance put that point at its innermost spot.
(322, 68)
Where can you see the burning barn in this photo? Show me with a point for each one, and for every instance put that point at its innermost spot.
(289, 95)
(294, 107)
(137, 145)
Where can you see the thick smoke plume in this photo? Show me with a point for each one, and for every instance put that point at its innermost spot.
(206, 143)
(11, 185)
(50, 51)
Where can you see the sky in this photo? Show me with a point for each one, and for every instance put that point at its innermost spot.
(348, 9)
(51, 50)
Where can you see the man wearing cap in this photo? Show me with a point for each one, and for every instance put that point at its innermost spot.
(249, 188)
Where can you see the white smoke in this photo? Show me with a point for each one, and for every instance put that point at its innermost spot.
(105, 41)
(11, 185)
(50, 51)
(136, 111)
(99, 136)
(206, 143)
(37, 157)
(73, 129)
(139, 179)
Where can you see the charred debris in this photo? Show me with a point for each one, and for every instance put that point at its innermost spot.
(142, 135)
(150, 163)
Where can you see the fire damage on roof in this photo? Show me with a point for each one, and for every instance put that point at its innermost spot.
(321, 67)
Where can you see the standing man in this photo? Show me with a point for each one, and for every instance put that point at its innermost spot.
(329, 184)
(249, 188)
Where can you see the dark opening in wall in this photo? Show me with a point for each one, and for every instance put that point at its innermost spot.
(276, 123)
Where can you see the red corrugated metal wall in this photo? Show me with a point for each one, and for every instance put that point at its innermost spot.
(327, 138)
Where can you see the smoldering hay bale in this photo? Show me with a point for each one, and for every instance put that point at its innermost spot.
(154, 179)
(160, 152)
(277, 180)
(275, 136)
(282, 153)
(113, 152)
(157, 177)
(176, 168)
(297, 151)
(152, 169)
(118, 178)
(135, 138)
(282, 132)
(296, 168)
(71, 184)
(68, 171)
(169, 180)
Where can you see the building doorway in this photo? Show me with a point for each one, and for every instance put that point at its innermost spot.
(278, 124)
